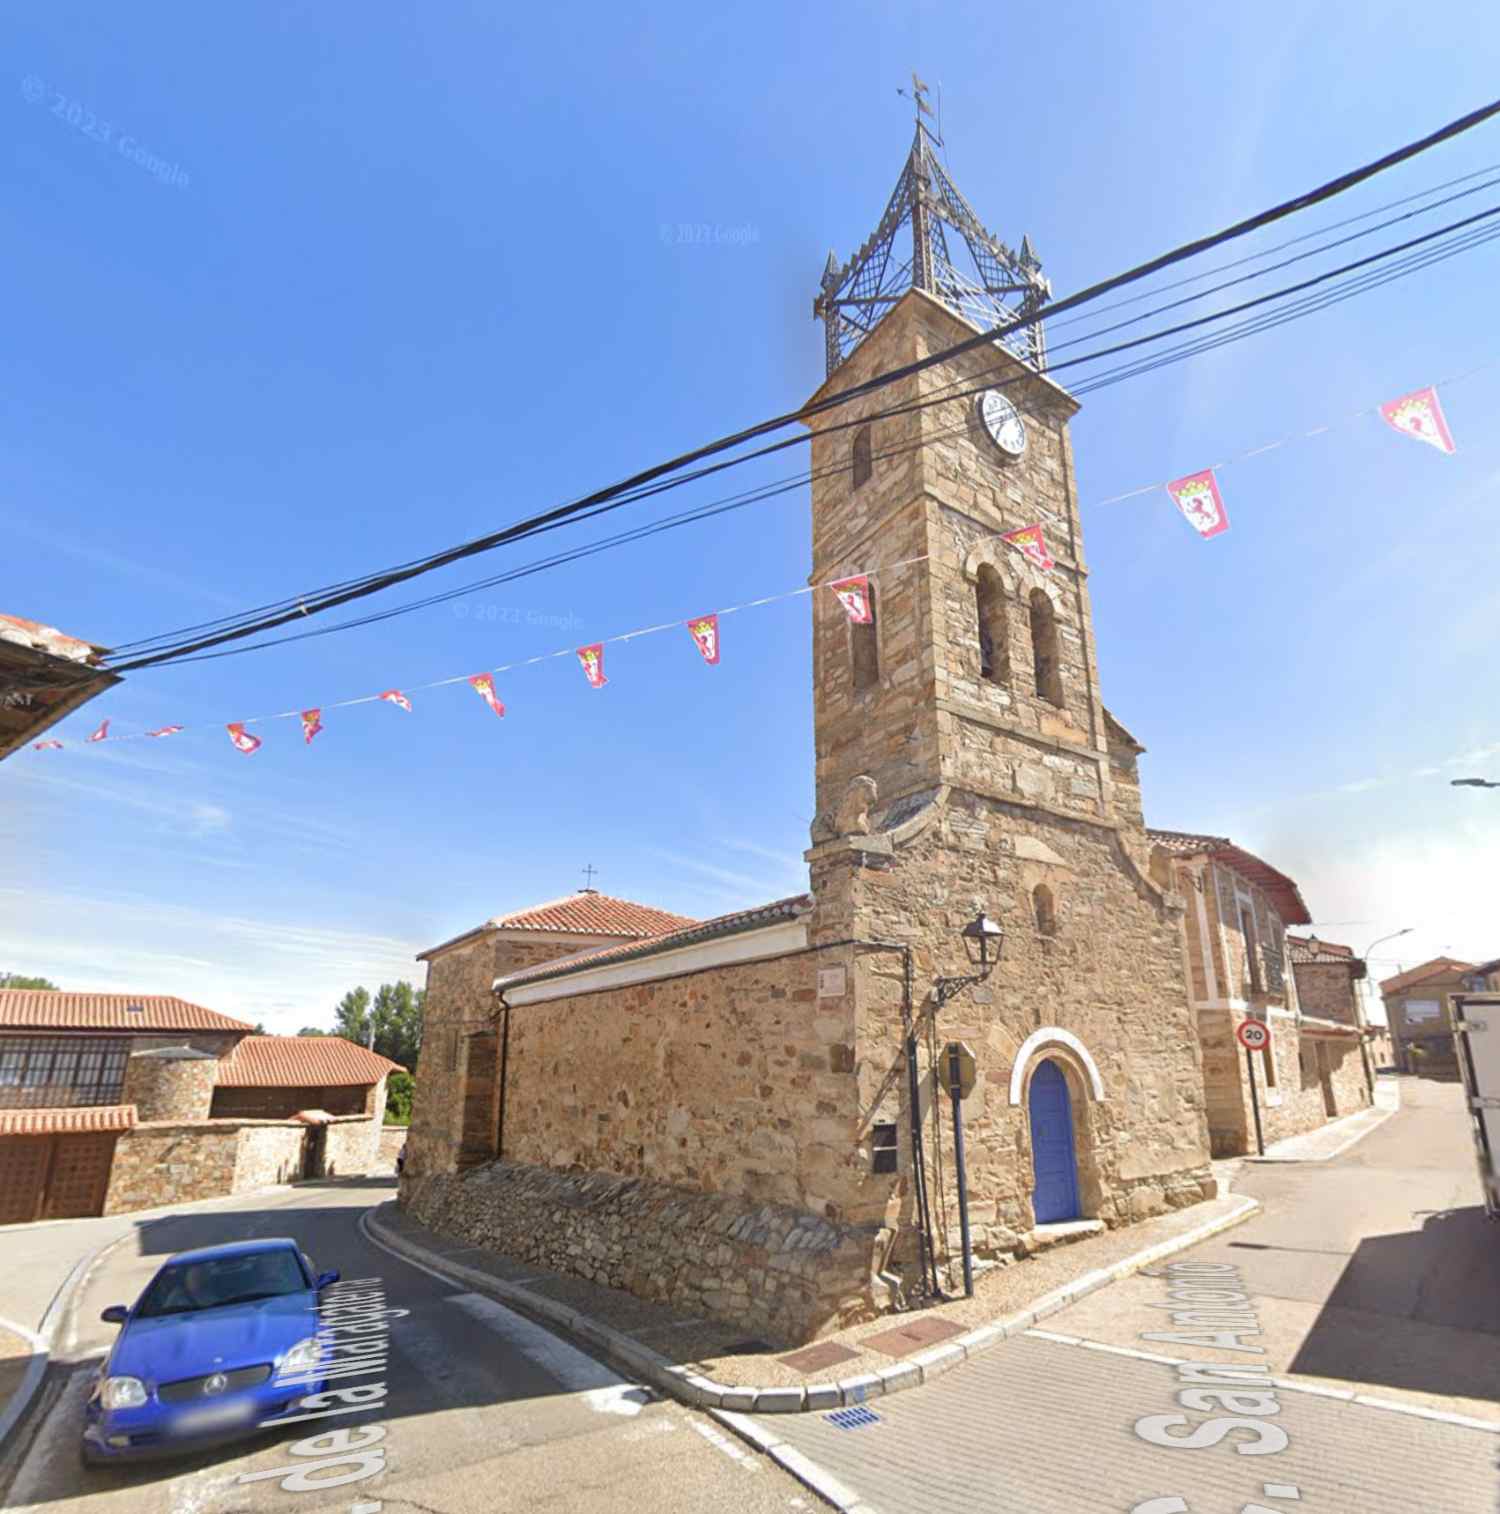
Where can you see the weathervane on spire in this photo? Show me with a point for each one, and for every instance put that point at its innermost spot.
(919, 96)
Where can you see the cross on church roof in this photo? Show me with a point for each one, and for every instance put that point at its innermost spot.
(588, 878)
(989, 288)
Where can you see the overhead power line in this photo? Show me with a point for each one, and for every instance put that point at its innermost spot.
(354, 589)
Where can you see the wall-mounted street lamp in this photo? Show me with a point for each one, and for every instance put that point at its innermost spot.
(983, 942)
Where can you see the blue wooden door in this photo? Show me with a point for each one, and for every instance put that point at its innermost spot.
(1056, 1193)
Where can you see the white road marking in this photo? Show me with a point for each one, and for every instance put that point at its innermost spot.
(603, 1391)
(727, 1446)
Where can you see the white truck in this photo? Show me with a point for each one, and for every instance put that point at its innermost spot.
(1476, 1025)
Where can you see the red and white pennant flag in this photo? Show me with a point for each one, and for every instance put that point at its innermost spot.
(705, 633)
(311, 725)
(1202, 506)
(854, 595)
(396, 697)
(102, 734)
(484, 686)
(47, 746)
(242, 738)
(592, 659)
(1031, 544)
(166, 730)
(1421, 416)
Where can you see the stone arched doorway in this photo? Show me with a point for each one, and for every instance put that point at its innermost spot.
(1054, 1159)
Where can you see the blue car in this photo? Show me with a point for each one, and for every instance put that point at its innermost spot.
(222, 1340)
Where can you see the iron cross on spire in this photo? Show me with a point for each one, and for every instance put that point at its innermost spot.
(588, 878)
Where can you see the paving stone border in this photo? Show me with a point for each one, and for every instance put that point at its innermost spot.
(703, 1393)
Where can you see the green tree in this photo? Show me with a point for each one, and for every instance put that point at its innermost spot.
(398, 1097)
(392, 1020)
(351, 1019)
(311, 1030)
(20, 980)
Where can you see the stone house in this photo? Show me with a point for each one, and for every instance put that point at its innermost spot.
(742, 1114)
(1418, 1008)
(44, 675)
(1328, 977)
(1240, 966)
(113, 1102)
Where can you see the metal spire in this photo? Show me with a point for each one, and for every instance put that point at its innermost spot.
(989, 288)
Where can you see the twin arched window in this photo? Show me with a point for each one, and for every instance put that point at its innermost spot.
(994, 638)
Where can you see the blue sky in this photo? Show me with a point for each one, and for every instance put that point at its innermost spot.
(406, 277)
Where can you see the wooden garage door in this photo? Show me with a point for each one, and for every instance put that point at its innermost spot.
(62, 1177)
(23, 1172)
(79, 1178)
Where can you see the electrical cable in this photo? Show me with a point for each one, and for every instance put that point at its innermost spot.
(1474, 236)
(377, 582)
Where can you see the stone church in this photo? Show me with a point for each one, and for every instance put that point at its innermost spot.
(741, 1114)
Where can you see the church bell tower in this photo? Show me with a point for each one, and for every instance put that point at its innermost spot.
(977, 673)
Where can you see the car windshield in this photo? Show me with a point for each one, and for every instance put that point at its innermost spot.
(217, 1282)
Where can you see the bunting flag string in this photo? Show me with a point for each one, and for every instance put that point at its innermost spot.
(705, 634)
(484, 686)
(854, 595)
(1032, 545)
(592, 659)
(1420, 415)
(1202, 506)
(1197, 495)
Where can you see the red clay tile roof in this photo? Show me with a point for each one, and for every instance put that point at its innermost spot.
(690, 935)
(1283, 892)
(1438, 967)
(594, 914)
(301, 1062)
(67, 1121)
(586, 913)
(53, 1009)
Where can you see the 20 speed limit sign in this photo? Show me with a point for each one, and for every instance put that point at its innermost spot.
(1253, 1035)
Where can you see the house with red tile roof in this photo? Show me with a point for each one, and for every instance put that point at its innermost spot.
(1418, 1006)
(96, 1088)
(44, 675)
(1241, 964)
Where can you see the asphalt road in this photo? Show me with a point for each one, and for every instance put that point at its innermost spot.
(485, 1410)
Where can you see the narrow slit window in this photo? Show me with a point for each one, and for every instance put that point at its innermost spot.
(1046, 910)
(1044, 649)
(860, 457)
(994, 648)
(883, 1147)
(864, 647)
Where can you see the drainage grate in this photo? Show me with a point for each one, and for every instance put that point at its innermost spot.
(853, 1419)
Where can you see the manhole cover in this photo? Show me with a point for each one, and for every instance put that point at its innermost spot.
(916, 1336)
(816, 1358)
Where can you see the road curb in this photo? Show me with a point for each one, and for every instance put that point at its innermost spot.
(689, 1387)
(1355, 1137)
(45, 1336)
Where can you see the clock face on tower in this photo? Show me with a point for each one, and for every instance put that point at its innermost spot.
(999, 419)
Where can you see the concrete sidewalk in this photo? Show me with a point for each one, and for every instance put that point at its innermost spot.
(708, 1363)
(1335, 1138)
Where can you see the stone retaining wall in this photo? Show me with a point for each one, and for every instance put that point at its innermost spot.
(776, 1272)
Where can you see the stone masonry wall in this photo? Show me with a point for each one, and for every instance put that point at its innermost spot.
(171, 1163)
(1110, 975)
(170, 1084)
(731, 1080)
(1327, 989)
(460, 1004)
(352, 1149)
(268, 1154)
(773, 1270)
